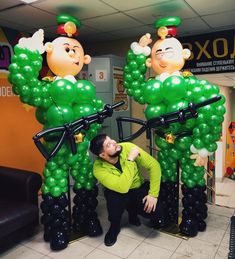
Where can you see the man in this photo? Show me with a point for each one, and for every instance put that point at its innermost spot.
(117, 169)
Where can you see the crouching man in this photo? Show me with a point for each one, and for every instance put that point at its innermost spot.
(117, 168)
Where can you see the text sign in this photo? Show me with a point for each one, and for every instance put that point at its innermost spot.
(101, 75)
(210, 53)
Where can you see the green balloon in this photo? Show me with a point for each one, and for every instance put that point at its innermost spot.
(83, 110)
(62, 92)
(198, 144)
(89, 184)
(135, 74)
(172, 107)
(135, 84)
(183, 143)
(202, 182)
(63, 183)
(83, 146)
(46, 172)
(85, 92)
(50, 181)
(190, 183)
(140, 59)
(175, 154)
(161, 143)
(174, 88)
(58, 173)
(153, 111)
(58, 115)
(55, 191)
(130, 55)
(220, 110)
(133, 65)
(212, 147)
(45, 189)
(208, 138)
(203, 128)
(152, 92)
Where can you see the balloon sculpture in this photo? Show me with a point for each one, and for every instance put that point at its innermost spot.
(187, 142)
(60, 101)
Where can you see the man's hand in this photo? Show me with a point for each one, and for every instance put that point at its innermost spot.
(145, 40)
(199, 161)
(133, 153)
(150, 203)
(34, 43)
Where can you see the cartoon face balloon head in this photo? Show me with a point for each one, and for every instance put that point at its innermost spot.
(167, 54)
(65, 55)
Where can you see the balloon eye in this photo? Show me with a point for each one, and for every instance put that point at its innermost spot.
(74, 51)
(67, 49)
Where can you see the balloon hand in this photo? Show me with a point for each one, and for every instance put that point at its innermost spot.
(199, 161)
(33, 43)
(145, 40)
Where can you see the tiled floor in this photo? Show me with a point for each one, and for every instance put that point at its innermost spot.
(137, 242)
(225, 194)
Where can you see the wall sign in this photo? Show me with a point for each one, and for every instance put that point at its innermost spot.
(101, 75)
(211, 53)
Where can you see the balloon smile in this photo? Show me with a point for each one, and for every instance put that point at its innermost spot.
(76, 63)
(162, 66)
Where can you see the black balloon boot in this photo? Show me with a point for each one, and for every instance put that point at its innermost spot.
(168, 198)
(195, 210)
(84, 215)
(56, 221)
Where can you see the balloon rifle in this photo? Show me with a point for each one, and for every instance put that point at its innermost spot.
(181, 116)
(69, 130)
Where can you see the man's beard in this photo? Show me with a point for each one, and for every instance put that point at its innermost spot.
(116, 154)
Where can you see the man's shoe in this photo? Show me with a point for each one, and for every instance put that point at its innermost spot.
(111, 236)
(134, 221)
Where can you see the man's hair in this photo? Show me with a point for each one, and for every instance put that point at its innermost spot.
(96, 145)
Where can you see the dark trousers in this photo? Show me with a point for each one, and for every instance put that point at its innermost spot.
(131, 201)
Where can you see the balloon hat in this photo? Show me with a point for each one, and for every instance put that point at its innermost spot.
(167, 27)
(67, 25)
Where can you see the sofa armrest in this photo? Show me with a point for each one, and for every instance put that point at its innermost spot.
(21, 185)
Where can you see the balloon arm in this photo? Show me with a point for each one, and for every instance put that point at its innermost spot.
(165, 120)
(70, 129)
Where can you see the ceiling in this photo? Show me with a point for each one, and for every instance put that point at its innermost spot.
(104, 20)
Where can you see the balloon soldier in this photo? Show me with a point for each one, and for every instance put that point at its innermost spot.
(188, 143)
(59, 101)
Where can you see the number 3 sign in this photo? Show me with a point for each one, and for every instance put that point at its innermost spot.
(101, 75)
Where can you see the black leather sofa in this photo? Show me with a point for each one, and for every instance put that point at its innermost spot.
(19, 213)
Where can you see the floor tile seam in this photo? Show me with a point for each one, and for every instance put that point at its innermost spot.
(177, 247)
(146, 242)
(211, 243)
(216, 227)
(35, 250)
(213, 213)
(126, 235)
(89, 252)
(48, 257)
(135, 249)
(217, 246)
(102, 249)
(95, 246)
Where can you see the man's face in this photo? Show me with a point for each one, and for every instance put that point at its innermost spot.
(66, 57)
(167, 56)
(110, 148)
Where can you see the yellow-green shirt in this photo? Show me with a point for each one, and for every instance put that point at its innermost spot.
(130, 177)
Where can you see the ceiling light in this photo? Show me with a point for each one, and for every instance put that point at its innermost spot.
(29, 1)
